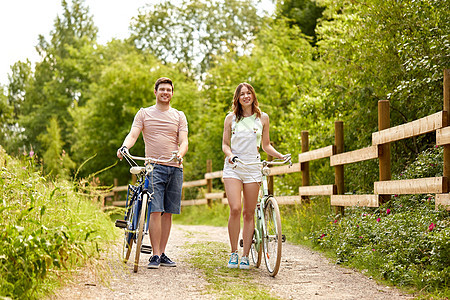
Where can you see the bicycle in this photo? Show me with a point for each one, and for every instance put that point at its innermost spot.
(136, 220)
(267, 236)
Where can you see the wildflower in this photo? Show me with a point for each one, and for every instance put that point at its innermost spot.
(378, 219)
(335, 221)
(323, 234)
(31, 153)
(373, 249)
(357, 226)
(388, 211)
(395, 195)
(360, 237)
(431, 227)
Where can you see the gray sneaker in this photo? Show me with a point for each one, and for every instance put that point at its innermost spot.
(167, 262)
(155, 261)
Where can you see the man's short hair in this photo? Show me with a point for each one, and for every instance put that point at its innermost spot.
(163, 80)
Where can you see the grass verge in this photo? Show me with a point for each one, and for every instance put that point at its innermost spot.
(224, 283)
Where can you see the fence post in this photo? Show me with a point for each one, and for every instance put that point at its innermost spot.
(339, 170)
(304, 166)
(209, 181)
(447, 110)
(384, 156)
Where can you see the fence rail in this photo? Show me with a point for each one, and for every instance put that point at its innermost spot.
(380, 149)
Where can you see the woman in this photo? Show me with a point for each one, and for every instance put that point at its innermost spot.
(245, 129)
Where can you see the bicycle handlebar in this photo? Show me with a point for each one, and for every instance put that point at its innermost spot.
(265, 162)
(125, 152)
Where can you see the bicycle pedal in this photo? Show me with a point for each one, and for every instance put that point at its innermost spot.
(283, 238)
(147, 249)
(121, 223)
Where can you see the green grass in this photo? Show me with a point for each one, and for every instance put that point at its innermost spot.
(214, 215)
(47, 228)
(224, 283)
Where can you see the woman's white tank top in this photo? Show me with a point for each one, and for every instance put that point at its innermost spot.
(246, 137)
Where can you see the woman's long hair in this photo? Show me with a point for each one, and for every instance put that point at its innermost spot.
(237, 107)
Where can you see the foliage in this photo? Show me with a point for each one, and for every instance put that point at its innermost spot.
(56, 161)
(302, 13)
(46, 228)
(214, 215)
(405, 241)
(125, 85)
(194, 32)
(62, 77)
(378, 49)
(300, 221)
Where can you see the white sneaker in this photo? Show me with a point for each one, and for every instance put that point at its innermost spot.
(245, 264)
(233, 262)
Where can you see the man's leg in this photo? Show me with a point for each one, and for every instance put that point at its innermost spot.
(155, 232)
(166, 225)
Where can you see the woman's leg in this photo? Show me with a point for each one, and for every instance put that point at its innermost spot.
(233, 189)
(250, 199)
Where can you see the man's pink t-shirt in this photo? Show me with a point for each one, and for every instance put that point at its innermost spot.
(160, 131)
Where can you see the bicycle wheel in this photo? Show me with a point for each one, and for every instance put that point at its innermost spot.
(272, 239)
(129, 232)
(256, 249)
(140, 230)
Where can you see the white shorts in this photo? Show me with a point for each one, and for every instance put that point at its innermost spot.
(246, 174)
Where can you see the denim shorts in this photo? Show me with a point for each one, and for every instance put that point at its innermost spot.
(165, 183)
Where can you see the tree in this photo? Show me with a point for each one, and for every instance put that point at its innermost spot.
(126, 84)
(302, 13)
(378, 49)
(194, 32)
(57, 162)
(64, 74)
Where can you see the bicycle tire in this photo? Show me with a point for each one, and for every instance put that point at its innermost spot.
(255, 254)
(272, 239)
(140, 235)
(129, 233)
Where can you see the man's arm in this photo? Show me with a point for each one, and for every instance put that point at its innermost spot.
(130, 140)
(183, 145)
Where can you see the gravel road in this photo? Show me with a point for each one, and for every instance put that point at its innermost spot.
(304, 274)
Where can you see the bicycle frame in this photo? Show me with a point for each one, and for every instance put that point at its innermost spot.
(138, 208)
(261, 237)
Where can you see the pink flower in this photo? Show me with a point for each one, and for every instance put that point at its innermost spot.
(373, 249)
(388, 211)
(323, 234)
(431, 227)
(31, 153)
(379, 219)
(360, 237)
(335, 221)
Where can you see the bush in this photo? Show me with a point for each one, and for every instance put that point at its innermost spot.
(45, 228)
(405, 241)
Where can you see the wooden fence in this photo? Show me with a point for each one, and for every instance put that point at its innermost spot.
(380, 149)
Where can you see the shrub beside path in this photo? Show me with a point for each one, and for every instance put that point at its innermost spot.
(304, 274)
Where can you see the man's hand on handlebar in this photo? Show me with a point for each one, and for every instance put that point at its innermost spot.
(122, 150)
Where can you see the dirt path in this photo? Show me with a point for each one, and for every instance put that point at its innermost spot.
(304, 274)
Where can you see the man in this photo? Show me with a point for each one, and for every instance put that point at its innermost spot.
(164, 130)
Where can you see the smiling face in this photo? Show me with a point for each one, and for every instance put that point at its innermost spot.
(245, 98)
(164, 93)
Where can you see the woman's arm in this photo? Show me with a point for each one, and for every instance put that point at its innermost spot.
(226, 147)
(265, 141)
